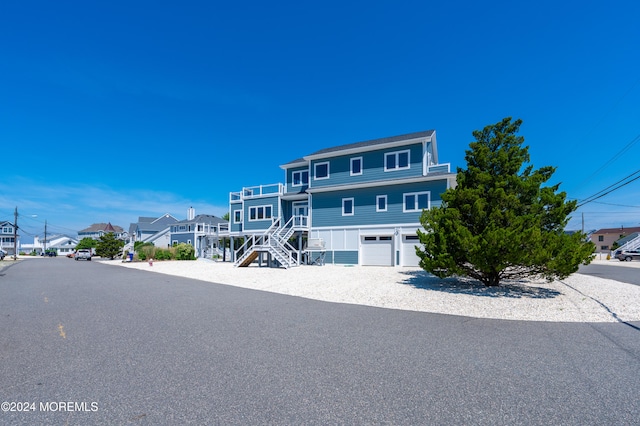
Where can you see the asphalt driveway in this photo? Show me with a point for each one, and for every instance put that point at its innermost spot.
(155, 349)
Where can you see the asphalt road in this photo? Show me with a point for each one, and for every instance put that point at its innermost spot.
(123, 346)
(618, 273)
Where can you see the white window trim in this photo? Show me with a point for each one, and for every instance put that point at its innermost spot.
(378, 209)
(300, 172)
(397, 156)
(234, 216)
(415, 204)
(351, 173)
(174, 243)
(315, 170)
(264, 211)
(353, 206)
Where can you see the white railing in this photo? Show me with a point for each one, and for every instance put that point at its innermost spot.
(439, 168)
(274, 240)
(634, 244)
(257, 191)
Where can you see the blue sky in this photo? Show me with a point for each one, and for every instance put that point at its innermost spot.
(114, 110)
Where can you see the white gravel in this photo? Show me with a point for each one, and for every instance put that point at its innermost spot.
(579, 298)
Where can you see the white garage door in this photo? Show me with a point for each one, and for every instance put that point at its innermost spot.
(409, 256)
(377, 251)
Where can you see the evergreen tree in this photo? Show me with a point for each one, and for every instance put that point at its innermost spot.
(86, 243)
(109, 246)
(499, 222)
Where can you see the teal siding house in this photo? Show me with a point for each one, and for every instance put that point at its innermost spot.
(358, 204)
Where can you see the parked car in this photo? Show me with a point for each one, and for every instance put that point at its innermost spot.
(2, 254)
(627, 255)
(83, 254)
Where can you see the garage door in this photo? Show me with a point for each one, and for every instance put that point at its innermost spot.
(409, 256)
(377, 251)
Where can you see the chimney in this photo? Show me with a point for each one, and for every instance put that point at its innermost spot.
(191, 213)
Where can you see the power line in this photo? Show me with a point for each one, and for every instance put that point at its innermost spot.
(609, 189)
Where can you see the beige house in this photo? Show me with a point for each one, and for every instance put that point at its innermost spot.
(605, 237)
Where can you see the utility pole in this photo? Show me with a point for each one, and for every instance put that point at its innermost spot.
(45, 236)
(15, 234)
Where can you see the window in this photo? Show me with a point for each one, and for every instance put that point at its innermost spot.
(321, 170)
(600, 237)
(416, 201)
(260, 213)
(396, 160)
(370, 238)
(347, 207)
(381, 203)
(604, 247)
(300, 178)
(237, 216)
(356, 166)
(385, 238)
(183, 228)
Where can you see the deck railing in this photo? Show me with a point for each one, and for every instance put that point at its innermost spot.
(257, 191)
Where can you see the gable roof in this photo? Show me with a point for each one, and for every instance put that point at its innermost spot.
(106, 227)
(360, 146)
(619, 230)
(203, 218)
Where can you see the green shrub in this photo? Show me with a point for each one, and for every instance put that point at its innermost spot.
(185, 252)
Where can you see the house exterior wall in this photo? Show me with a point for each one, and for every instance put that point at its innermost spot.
(290, 185)
(373, 167)
(182, 237)
(327, 206)
(256, 224)
(234, 225)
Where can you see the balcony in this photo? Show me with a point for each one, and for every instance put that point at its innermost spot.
(257, 191)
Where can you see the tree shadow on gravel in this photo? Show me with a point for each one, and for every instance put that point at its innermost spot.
(459, 285)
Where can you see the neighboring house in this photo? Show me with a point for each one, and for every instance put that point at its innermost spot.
(352, 204)
(8, 241)
(97, 230)
(61, 244)
(203, 232)
(153, 230)
(606, 237)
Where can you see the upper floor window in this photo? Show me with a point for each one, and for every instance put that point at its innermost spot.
(356, 166)
(7, 230)
(600, 237)
(321, 170)
(381, 203)
(347, 207)
(398, 160)
(260, 213)
(416, 201)
(299, 178)
(237, 216)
